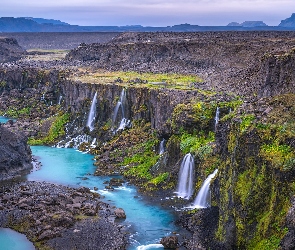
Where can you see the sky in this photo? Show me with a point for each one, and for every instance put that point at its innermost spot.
(151, 12)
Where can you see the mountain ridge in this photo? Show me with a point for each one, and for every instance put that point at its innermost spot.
(31, 24)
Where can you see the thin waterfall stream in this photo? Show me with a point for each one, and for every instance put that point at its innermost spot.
(124, 122)
(203, 199)
(92, 113)
(185, 186)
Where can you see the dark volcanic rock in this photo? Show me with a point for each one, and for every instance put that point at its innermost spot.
(58, 217)
(170, 242)
(15, 154)
(10, 50)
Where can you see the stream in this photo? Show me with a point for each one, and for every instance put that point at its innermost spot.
(146, 222)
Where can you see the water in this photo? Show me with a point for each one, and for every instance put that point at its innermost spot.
(69, 167)
(216, 117)
(4, 119)
(124, 122)
(92, 113)
(12, 240)
(59, 99)
(203, 198)
(185, 186)
(162, 147)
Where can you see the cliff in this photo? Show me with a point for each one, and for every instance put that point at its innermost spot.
(15, 157)
(10, 50)
(227, 61)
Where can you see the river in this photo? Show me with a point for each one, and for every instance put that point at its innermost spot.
(148, 223)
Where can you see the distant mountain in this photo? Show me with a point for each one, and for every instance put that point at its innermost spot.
(46, 21)
(289, 22)
(30, 24)
(248, 24)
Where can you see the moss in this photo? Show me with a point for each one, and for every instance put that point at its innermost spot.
(56, 131)
(198, 144)
(257, 182)
(281, 156)
(3, 84)
(150, 80)
(246, 122)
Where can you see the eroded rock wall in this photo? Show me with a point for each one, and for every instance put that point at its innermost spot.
(10, 50)
(15, 156)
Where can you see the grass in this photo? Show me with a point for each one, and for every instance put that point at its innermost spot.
(150, 80)
(50, 55)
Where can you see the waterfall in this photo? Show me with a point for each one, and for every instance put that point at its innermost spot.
(92, 113)
(162, 147)
(216, 117)
(121, 106)
(203, 198)
(186, 177)
(59, 100)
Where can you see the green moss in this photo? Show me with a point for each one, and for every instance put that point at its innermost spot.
(281, 156)
(16, 113)
(150, 80)
(246, 122)
(56, 131)
(198, 144)
(3, 84)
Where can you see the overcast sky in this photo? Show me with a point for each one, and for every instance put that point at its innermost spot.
(151, 12)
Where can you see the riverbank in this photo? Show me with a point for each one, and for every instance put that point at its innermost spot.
(60, 217)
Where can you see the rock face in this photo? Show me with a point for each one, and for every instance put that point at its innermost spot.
(278, 74)
(15, 154)
(10, 50)
(220, 58)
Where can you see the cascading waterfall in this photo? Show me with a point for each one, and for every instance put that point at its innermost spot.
(162, 147)
(59, 99)
(216, 117)
(186, 177)
(121, 106)
(203, 199)
(92, 113)
(75, 142)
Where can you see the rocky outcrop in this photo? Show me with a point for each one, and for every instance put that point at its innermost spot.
(15, 154)
(10, 50)
(278, 73)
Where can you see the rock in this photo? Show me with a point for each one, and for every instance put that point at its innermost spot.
(170, 242)
(10, 50)
(120, 213)
(15, 156)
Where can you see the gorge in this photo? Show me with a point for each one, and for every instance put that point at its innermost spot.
(225, 98)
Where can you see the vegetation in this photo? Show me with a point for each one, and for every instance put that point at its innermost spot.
(56, 130)
(259, 168)
(151, 80)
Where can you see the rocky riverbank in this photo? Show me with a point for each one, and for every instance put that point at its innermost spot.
(60, 217)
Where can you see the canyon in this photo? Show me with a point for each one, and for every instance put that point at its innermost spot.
(247, 76)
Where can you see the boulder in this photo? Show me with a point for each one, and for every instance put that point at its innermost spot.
(170, 242)
(120, 213)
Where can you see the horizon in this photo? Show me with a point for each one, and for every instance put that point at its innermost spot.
(150, 12)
